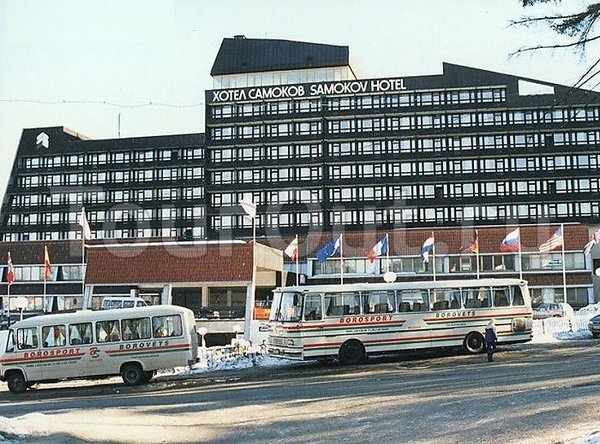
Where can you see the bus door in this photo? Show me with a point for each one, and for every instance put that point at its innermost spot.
(413, 305)
(23, 344)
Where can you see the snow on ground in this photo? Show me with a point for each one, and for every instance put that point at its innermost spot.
(241, 355)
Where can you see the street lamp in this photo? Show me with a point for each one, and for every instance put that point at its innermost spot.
(202, 331)
(21, 304)
(249, 207)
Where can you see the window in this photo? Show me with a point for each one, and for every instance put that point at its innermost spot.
(413, 300)
(339, 304)
(383, 301)
(80, 333)
(132, 329)
(27, 338)
(54, 336)
(163, 326)
(312, 308)
(107, 331)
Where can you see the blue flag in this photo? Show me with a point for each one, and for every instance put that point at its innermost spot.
(330, 249)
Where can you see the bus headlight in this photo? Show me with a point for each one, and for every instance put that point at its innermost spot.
(291, 342)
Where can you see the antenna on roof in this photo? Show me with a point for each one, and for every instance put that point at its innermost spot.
(239, 36)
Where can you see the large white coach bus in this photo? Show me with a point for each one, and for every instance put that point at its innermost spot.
(350, 322)
(132, 342)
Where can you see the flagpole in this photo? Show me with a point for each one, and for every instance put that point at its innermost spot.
(297, 262)
(83, 264)
(341, 259)
(520, 257)
(45, 281)
(387, 255)
(8, 299)
(477, 252)
(564, 272)
(433, 254)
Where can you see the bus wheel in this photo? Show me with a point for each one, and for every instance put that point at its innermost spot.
(474, 343)
(352, 352)
(16, 382)
(132, 374)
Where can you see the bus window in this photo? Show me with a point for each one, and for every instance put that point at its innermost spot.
(10, 343)
(107, 331)
(54, 335)
(443, 299)
(412, 300)
(379, 301)
(286, 307)
(518, 296)
(138, 328)
(27, 338)
(334, 304)
(470, 298)
(344, 303)
(500, 297)
(484, 295)
(166, 326)
(80, 333)
(312, 307)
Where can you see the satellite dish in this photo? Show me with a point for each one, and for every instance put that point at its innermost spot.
(597, 271)
(389, 277)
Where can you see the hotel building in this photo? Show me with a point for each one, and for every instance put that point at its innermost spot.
(462, 153)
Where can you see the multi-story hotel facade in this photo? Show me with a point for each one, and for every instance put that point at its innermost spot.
(464, 154)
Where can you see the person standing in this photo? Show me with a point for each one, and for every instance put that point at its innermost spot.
(491, 337)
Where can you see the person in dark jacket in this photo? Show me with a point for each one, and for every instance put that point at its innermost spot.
(491, 336)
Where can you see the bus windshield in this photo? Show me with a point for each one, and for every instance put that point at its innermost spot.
(287, 307)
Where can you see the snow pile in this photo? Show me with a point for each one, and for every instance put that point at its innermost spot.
(239, 355)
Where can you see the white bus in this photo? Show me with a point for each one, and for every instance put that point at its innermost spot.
(131, 342)
(350, 322)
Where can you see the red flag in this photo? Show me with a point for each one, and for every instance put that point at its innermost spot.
(10, 276)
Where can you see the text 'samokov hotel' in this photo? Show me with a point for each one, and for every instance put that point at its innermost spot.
(470, 157)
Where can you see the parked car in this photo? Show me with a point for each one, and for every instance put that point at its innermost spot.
(553, 310)
(594, 326)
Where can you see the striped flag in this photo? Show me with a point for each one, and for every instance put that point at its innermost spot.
(594, 240)
(10, 275)
(553, 243)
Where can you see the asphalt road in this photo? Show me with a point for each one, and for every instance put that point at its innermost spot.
(532, 393)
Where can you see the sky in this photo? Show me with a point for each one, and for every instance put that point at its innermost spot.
(115, 68)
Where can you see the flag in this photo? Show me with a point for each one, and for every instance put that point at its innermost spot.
(380, 248)
(85, 227)
(474, 247)
(428, 245)
(248, 205)
(330, 249)
(555, 241)
(10, 275)
(593, 242)
(292, 248)
(512, 241)
(47, 265)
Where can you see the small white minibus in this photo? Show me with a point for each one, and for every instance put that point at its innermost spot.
(131, 342)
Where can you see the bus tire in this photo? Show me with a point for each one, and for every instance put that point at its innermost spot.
(352, 352)
(474, 343)
(132, 374)
(16, 382)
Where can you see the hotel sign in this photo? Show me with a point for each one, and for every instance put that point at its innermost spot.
(306, 90)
